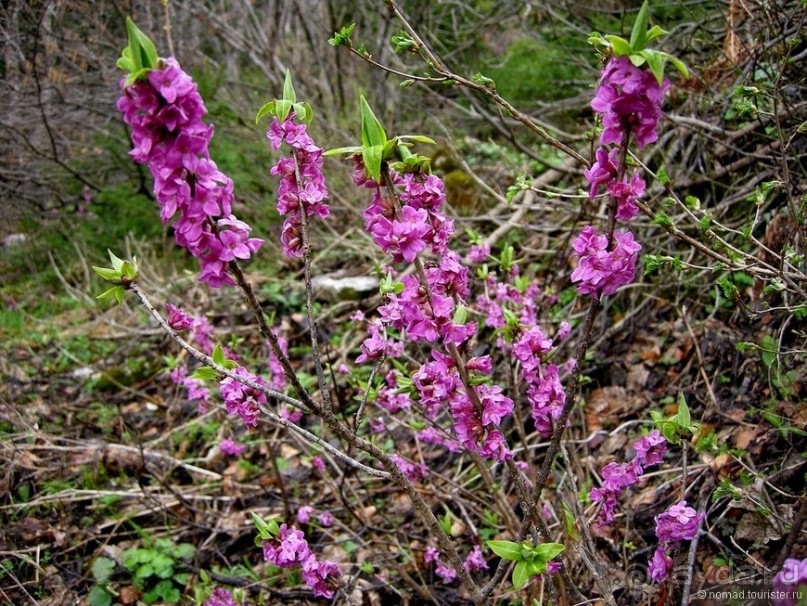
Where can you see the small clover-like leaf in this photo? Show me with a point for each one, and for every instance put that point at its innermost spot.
(103, 569)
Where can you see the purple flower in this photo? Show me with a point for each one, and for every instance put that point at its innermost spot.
(650, 449)
(220, 597)
(788, 583)
(678, 523)
(318, 464)
(626, 194)
(603, 171)
(448, 575)
(660, 565)
(325, 519)
(231, 448)
(479, 253)
(178, 319)
(241, 399)
(628, 98)
(304, 514)
(290, 549)
(495, 405)
(165, 113)
(546, 397)
(601, 272)
(475, 561)
(321, 576)
(414, 472)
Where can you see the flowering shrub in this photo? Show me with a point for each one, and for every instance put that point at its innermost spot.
(425, 369)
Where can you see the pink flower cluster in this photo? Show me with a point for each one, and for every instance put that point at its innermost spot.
(604, 172)
(243, 400)
(231, 448)
(679, 523)
(220, 597)
(600, 271)
(544, 390)
(474, 562)
(429, 315)
(500, 294)
(446, 573)
(475, 423)
(420, 223)
(165, 113)
(789, 583)
(301, 181)
(629, 98)
(290, 549)
(616, 477)
(424, 310)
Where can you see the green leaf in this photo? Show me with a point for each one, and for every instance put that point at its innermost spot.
(372, 133)
(682, 417)
(116, 262)
(353, 150)
(218, 355)
(140, 56)
(653, 33)
(505, 549)
(103, 569)
(115, 291)
(342, 37)
(547, 551)
(460, 315)
(288, 89)
(678, 64)
(205, 373)
(99, 596)
(265, 110)
(184, 551)
(373, 156)
(282, 109)
(108, 274)
(655, 60)
(144, 571)
(620, 46)
(638, 37)
(303, 112)
(521, 574)
(266, 530)
(569, 521)
(418, 139)
(662, 219)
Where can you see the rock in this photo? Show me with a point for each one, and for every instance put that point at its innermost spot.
(334, 287)
(13, 240)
